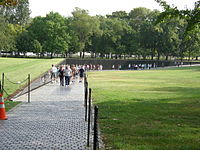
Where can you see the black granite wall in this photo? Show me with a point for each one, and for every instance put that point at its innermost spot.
(108, 63)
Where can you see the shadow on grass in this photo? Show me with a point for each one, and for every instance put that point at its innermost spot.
(152, 124)
(194, 68)
(189, 90)
(185, 94)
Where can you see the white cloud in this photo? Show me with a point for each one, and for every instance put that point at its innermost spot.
(103, 7)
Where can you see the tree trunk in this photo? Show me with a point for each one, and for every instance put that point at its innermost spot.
(80, 54)
(166, 58)
(158, 56)
(116, 56)
(144, 57)
(101, 55)
(152, 56)
(70, 55)
(83, 56)
(189, 56)
(196, 57)
(92, 55)
(16, 54)
(120, 56)
(181, 58)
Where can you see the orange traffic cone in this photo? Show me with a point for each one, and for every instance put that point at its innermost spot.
(2, 108)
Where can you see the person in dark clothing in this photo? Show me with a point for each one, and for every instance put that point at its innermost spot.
(61, 75)
(81, 74)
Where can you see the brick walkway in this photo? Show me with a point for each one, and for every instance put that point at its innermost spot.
(53, 120)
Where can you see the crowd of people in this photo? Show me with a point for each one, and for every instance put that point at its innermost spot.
(134, 66)
(67, 74)
(141, 66)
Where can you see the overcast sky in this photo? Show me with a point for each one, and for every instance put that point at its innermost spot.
(98, 7)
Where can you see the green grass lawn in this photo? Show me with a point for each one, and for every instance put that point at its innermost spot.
(150, 109)
(17, 69)
(10, 104)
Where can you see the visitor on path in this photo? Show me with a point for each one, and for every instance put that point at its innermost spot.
(154, 65)
(81, 74)
(129, 66)
(101, 67)
(119, 67)
(67, 73)
(94, 67)
(73, 68)
(61, 75)
(53, 73)
(77, 70)
(113, 67)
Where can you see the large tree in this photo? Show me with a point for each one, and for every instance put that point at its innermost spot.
(191, 44)
(16, 14)
(37, 29)
(52, 32)
(8, 35)
(8, 2)
(24, 42)
(57, 34)
(192, 16)
(84, 26)
(3, 37)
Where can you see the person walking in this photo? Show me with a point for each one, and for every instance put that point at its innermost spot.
(81, 74)
(53, 73)
(67, 73)
(73, 68)
(61, 75)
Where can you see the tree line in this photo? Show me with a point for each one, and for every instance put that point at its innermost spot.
(142, 33)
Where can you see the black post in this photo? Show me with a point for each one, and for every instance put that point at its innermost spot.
(29, 87)
(85, 79)
(85, 102)
(89, 114)
(95, 140)
(2, 86)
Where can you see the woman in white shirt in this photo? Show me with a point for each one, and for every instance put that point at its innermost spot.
(68, 72)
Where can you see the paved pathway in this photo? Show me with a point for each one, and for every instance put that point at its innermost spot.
(53, 120)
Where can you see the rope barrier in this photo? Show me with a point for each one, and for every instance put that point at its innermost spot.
(6, 92)
(19, 82)
(41, 81)
(21, 90)
(20, 93)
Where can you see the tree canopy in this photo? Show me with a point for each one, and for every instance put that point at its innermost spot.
(192, 16)
(141, 33)
(8, 2)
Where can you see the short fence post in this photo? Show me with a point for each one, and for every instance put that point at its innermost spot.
(29, 87)
(89, 114)
(95, 140)
(85, 79)
(85, 101)
(2, 86)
